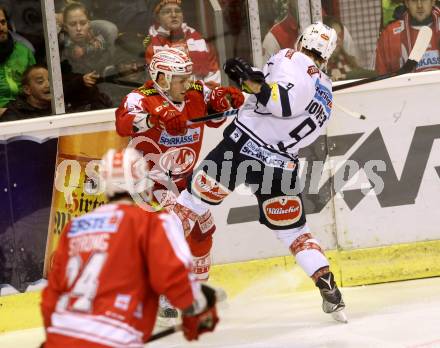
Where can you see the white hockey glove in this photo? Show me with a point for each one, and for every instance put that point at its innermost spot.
(140, 122)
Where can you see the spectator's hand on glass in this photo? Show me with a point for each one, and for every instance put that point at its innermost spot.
(90, 78)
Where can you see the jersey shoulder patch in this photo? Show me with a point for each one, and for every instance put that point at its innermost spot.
(312, 70)
(196, 86)
(147, 91)
(289, 53)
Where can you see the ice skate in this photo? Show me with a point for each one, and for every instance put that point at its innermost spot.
(332, 302)
(167, 315)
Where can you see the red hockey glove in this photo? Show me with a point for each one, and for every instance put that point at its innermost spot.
(196, 324)
(222, 98)
(169, 119)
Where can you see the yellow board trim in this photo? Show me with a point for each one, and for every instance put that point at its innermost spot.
(21, 311)
(351, 268)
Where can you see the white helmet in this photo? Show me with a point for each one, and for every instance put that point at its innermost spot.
(170, 61)
(124, 171)
(320, 39)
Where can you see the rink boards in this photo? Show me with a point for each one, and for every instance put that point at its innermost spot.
(372, 235)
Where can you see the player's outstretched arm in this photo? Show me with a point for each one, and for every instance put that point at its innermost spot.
(274, 97)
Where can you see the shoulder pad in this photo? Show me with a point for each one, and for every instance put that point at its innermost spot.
(147, 91)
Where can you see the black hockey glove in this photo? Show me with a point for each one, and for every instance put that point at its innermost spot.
(238, 70)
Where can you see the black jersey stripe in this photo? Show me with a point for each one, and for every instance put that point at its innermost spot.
(285, 103)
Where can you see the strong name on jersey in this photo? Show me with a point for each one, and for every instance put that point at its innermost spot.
(299, 107)
(108, 270)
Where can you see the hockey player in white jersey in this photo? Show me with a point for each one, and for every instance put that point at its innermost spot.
(291, 103)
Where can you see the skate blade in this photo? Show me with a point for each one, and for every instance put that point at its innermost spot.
(340, 316)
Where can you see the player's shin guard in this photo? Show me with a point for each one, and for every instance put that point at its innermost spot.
(200, 244)
(201, 267)
(308, 253)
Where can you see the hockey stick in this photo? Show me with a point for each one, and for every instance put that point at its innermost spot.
(349, 112)
(234, 112)
(165, 333)
(220, 295)
(227, 113)
(420, 46)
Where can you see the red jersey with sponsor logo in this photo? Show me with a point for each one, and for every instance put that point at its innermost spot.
(397, 40)
(108, 271)
(175, 155)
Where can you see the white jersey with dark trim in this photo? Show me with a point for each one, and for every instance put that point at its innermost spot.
(298, 108)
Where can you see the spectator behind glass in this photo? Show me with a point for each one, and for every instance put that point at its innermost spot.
(285, 33)
(170, 31)
(397, 40)
(15, 58)
(35, 99)
(341, 65)
(84, 58)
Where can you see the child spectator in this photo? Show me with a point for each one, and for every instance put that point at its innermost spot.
(397, 40)
(170, 31)
(15, 58)
(35, 99)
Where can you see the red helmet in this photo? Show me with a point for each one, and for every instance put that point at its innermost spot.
(124, 171)
(170, 61)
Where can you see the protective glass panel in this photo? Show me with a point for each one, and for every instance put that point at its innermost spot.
(24, 79)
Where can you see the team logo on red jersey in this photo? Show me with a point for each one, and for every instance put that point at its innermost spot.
(283, 211)
(178, 160)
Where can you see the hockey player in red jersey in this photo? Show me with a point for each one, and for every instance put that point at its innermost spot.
(111, 265)
(156, 116)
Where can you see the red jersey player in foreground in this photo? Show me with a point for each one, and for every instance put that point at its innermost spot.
(156, 116)
(111, 265)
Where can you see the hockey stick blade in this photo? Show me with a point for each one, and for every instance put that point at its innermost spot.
(420, 46)
(349, 112)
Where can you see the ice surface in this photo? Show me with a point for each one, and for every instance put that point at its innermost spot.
(401, 314)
